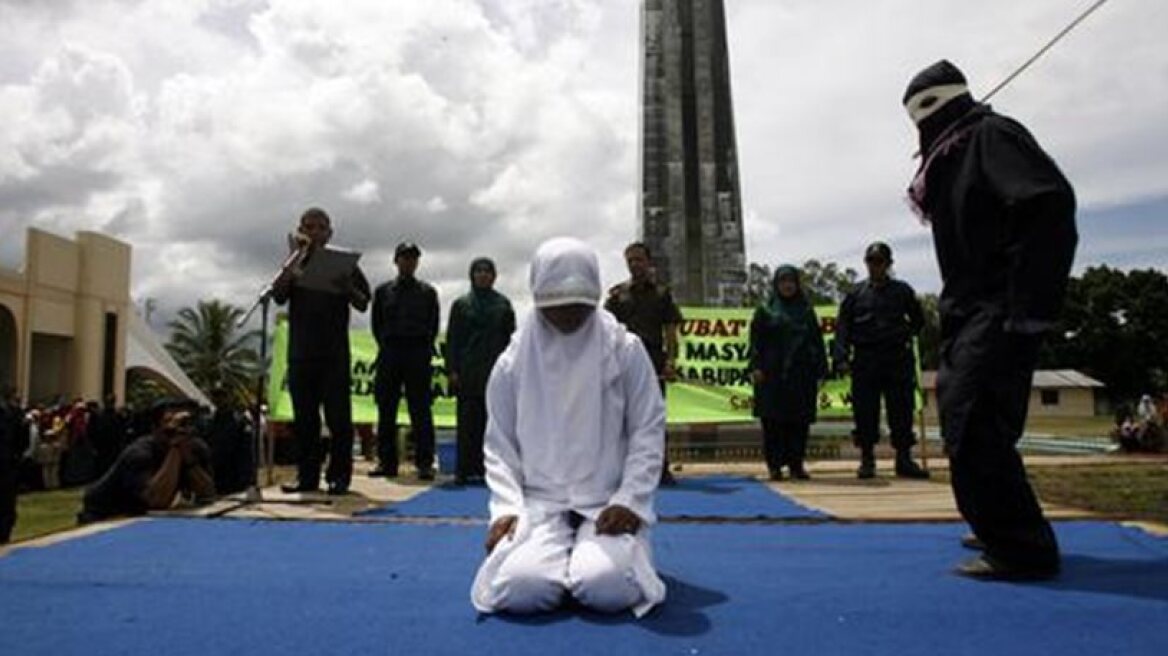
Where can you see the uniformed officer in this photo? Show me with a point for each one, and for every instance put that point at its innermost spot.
(874, 341)
(646, 308)
(405, 324)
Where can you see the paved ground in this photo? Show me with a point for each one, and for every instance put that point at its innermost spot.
(833, 490)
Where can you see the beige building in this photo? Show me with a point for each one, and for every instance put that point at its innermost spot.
(1054, 393)
(68, 327)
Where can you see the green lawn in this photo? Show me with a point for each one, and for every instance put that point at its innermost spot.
(1131, 491)
(1070, 426)
(41, 513)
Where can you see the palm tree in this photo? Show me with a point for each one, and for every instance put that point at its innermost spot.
(206, 343)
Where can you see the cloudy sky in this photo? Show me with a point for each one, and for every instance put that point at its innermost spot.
(198, 130)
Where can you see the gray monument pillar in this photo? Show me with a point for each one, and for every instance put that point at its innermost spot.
(690, 205)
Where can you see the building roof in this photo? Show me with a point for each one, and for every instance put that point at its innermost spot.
(1043, 379)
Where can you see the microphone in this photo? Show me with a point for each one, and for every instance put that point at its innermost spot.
(298, 240)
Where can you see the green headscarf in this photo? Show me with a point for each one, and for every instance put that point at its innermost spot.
(776, 307)
(789, 316)
(482, 301)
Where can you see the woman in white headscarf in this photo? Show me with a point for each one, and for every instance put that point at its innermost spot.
(573, 452)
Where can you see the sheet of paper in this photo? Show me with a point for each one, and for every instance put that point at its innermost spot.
(329, 269)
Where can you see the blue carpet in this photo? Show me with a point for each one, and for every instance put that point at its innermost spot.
(732, 497)
(210, 587)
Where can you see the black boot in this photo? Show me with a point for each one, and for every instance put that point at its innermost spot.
(867, 467)
(798, 472)
(906, 467)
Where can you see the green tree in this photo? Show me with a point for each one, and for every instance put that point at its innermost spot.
(929, 341)
(207, 344)
(824, 284)
(827, 283)
(758, 284)
(1114, 327)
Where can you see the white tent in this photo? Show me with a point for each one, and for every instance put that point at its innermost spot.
(144, 352)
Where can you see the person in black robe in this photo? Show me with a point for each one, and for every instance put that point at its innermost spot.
(10, 449)
(480, 327)
(1003, 222)
(230, 438)
(788, 364)
(107, 433)
(318, 362)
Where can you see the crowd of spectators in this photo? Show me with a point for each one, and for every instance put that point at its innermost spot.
(73, 443)
(1142, 430)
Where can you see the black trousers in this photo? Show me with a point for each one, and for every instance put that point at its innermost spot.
(889, 375)
(314, 383)
(784, 443)
(472, 424)
(407, 369)
(984, 390)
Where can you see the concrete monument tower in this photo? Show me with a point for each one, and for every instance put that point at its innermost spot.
(690, 205)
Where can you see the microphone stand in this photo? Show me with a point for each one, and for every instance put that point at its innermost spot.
(263, 302)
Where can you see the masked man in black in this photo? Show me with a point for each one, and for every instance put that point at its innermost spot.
(1003, 221)
(318, 361)
(874, 341)
(405, 325)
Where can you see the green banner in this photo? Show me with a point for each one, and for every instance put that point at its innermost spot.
(713, 368)
(363, 350)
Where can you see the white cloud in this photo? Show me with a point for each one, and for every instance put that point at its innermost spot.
(198, 131)
(365, 192)
(436, 205)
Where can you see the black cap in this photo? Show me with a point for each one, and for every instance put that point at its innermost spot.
(406, 248)
(942, 72)
(878, 249)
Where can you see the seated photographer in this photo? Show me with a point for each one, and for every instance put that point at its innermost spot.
(155, 469)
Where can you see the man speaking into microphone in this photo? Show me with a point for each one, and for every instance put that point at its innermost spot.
(318, 357)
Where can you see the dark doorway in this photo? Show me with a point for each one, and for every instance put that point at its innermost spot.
(109, 354)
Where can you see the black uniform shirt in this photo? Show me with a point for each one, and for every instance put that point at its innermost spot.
(645, 308)
(405, 309)
(883, 316)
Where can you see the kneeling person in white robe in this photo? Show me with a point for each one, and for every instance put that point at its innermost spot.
(573, 452)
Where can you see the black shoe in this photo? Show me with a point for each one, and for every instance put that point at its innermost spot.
(971, 541)
(799, 473)
(337, 490)
(382, 472)
(776, 474)
(907, 468)
(866, 470)
(426, 475)
(987, 568)
(295, 488)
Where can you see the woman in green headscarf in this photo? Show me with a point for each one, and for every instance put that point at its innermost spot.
(789, 362)
(481, 323)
